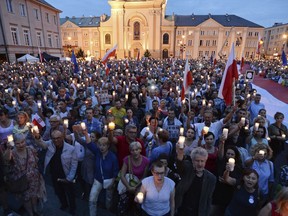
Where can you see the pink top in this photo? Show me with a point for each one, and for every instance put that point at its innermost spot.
(137, 170)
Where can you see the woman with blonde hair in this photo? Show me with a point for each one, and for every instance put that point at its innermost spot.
(278, 207)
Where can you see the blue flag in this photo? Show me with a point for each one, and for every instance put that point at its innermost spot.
(73, 59)
(284, 59)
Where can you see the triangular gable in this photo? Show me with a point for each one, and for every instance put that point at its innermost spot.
(69, 24)
(210, 23)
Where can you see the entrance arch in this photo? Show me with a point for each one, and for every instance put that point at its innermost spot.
(165, 54)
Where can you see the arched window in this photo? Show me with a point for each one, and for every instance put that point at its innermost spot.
(136, 31)
(165, 38)
(107, 39)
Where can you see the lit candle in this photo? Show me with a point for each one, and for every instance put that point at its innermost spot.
(105, 127)
(39, 104)
(140, 197)
(242, 120)
(246, 127)
(83, 125)
(261, 152)
(181, 131)
(10, 138)
(28, 124)
(256, 126)
(203, 102)
(13, 103)
(225, 132)
(126, 96)
(268, 138)
(231, 162)
(111, 125)
(205, 129)
(147, 129)
(181, 141)
(126, 120)
(66, 122)
(35, 129)
(283, 136)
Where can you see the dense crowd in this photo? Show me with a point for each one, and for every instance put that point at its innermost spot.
(127, 132)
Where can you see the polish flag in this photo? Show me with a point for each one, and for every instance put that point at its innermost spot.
(187, 81)
(38, 121)
(109, 54)
(40, 55)
(107, 69)
(230, 72)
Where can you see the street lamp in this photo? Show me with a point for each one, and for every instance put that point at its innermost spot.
(182, 46)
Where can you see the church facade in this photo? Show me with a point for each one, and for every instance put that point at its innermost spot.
(140, 25)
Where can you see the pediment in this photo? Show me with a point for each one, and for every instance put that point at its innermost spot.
(210, 23)
(69, 24)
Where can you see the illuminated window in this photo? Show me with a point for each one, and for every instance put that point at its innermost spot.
(136, 31)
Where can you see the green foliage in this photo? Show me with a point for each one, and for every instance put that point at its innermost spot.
(80, 54)
(147, 54)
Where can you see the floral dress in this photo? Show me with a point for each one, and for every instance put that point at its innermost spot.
(36, 182)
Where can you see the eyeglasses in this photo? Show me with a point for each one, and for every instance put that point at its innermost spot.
(159, 173)
(53, 121)
(56, 138)
(132, 132)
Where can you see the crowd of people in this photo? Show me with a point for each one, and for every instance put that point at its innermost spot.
(127, 132)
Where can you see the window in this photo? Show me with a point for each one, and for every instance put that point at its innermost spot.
(26, 37)
(57, 41)
(250, 34)
(39, 39)
(85, 34)
(200, 53)
(36, 13)
(9, 6)
(55, 20)
(107, 39)
(201, 43)
(47, 17)
(165, 38)
(95, 34)
(227, 33)
(246, 54)
(213, 53)
(202, 33)
(49, 36)
(136, 31)
(190, 43)
(86, 43)
(206, 53)
(76, 43)
(214, 43)
(179, 32)
(190, 32)
(22, 10)
(256, 34)
(75, 34)
(14, 32)
(207, 42)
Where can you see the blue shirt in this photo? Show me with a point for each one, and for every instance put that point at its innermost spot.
(162, 149)
(94, 125)
(109, 164)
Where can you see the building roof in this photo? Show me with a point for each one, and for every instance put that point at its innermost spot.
(47, 4)
(82, 21)
(225, 20)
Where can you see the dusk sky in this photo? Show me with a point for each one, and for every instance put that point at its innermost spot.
(262, 12)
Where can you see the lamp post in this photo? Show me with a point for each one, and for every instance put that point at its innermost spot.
(182, 46)
(285, 37)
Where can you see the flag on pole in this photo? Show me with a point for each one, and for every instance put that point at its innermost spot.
(215, 62)
(40, 55)
(284, 58)
(38, 121)
(230, 72)
(242, 63)
(138, 55)
(187, 81)
(259, 44)
(109, 54)
(74, 60)
(107, 69)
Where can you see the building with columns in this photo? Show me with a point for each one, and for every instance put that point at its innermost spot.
(25, 26)
(140, 25)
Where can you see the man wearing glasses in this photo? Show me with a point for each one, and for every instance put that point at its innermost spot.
(62, 160)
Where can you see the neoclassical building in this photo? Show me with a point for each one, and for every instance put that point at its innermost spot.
(140, 25)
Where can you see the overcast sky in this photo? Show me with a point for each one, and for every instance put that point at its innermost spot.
(262, 12)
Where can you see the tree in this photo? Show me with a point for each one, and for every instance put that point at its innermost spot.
(80, 53)
(147, 53)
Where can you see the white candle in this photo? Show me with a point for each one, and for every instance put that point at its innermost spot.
(126, 120)
(126, 96)
(140, 197)
(242, 120)
(111, 125)
(10, 138)
(261, 152)
(39, 104)
(225, 133)
(181, 141)
(83, 125)
(35, 129)
(256, 126)
(13, 103)
(147, 129)
(28, 124)
(205, 129)
(283, 136)
(268, 138)
(203, 102)
(105, 127)
(231, 162)
(181, 131)
(66, 122)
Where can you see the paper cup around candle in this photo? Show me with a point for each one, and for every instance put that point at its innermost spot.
(147, 129)
(111, 125)
(268, 138)
(261, 152)
(206, 129)
(39, 104)
(256, 126)
(181, 141)
(181, 131)
(140, 197)
(231, 162)
(203, 102)
(10, 138)
(225, 133)
(35, 129)
(83, 125)
(126, 120)
(66, 122)
(242, 120)
(246, 127)
(283, 136)
(13, 103)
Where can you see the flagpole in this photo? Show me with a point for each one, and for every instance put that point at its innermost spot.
(234, 102)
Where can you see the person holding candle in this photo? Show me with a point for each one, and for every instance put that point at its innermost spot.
(278, 134)
(255, 106)
(6, 125)
(10, 105)
(257, 136)
(130, 118)
(190, 141)
(260, 162)
(23, 160)
(148, 134)
(119, 112)
(91, 123)
(158, 193)
(245, 199)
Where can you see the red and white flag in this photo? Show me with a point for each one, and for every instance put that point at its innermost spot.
(107, 69)
(40, 55)
(109, 54)
(37, 121)
(230, 72)
(187, 81)
(259, 44)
